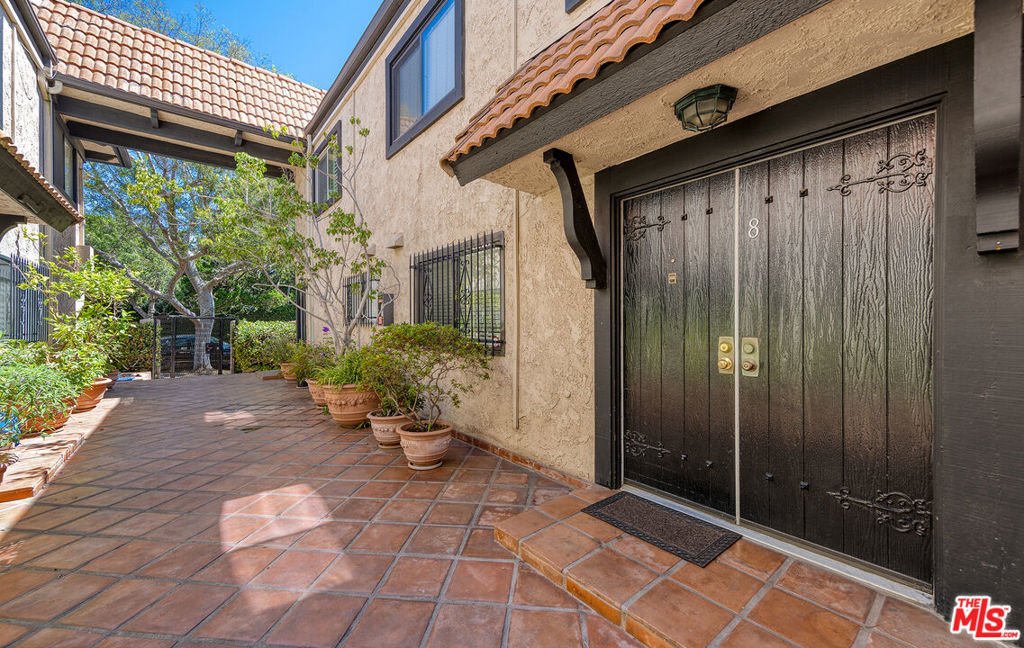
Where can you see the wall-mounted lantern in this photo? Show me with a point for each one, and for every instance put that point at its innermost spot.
(703, 109)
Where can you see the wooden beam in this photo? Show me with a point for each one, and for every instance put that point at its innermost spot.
(579, 227)
(157, 147)
(998, 40)
(9, 222)
(123, 157)
(238, 138)
(22, 186)
(79, 110)
(154, 118)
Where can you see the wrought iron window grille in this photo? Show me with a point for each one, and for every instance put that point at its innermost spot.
(462, 284)
(23, 312)
(354, 287)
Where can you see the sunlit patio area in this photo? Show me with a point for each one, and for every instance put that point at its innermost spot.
(222, 511)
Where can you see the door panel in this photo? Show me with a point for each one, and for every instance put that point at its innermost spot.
(834, 280)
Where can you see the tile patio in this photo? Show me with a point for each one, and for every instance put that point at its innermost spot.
(228, 511)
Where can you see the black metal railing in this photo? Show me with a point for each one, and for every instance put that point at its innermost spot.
(23, 313)
(174, 344)
(463, 285)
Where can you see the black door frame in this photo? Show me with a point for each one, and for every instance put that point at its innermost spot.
(937, 79)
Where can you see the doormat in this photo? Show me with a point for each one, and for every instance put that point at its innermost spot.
(680, 534)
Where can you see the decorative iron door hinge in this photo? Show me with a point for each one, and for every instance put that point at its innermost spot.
(900, 511)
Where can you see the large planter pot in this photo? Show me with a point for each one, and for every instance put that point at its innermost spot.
(47, 424)
(349, 405)
(425, 450)
(288, 371)
(316, 391)
(92, 395)
(385, 429)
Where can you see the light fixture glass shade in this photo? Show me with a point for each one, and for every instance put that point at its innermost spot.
(706, 108)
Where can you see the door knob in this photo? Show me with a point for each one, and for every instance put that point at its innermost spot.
(750, 357)
(726, 356)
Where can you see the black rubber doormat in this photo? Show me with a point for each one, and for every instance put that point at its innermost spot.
(685, 536)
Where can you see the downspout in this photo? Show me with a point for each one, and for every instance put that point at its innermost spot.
(515, 236)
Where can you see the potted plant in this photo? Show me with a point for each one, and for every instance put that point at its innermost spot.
(36, 398)
(282, 352)
(307, 366)
(438, 364)
(84, 366)
(383, 376)
(10, 436)
(346, 400)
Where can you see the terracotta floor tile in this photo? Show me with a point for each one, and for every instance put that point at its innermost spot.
(458, 492)
(184, 561)
(147, 500)
(657, 559)
(879, 640)
(593, 494)
(354, 572)
(917, 627)
(184, 527)
(52, 518)
(506, 495)
(9, 632)
(314, 507)
(672, 612)
(15, 582)
(451, 513)
(376, 628)
(596, 529)
(134, 642)
(187, 502)
(492, 514)
(22, 551)
(420, 491)
(140, 524)
(602, 634)
(338, 488)
(466, 476)
(417, 577)
(481, 544)
(61, 638)
(754, 559)
(441, 540)
(317, 621)
(181, 610)
(533, 589)
(467, 626)
(512, 477)
(514, 529)
(825, 588)
(558, 546)
(722, 584)
(480, 581)
(747, 635)
(544, 629)
(330, 536)
(54, 598)
(248, 616)
(358, 509)
(378, 489)
(280, 532)
(382, 538)
(802, 622)
(232, 529)
(403, 511)
(237, 567)
(562, 507)
(606, 580)
(117, 604)
(296, 569)
(94, 522)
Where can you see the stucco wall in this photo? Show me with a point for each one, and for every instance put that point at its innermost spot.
(539, 402)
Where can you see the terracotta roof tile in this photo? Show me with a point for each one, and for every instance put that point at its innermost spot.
(8, 144)
(606, 37)
(100, 48)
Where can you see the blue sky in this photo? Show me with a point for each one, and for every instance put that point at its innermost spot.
(308, 39)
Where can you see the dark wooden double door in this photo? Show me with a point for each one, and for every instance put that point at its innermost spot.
(823, 257)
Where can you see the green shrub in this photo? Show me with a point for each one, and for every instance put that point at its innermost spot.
(29, 390)
(310, 359)
(259, 346)
(135, 351)
(346, 370)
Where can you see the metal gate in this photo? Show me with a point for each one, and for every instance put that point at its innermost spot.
(783, 312)
(23, 313)
(174, 341)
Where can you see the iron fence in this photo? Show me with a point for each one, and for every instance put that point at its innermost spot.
(463, 285)
(174, 344)
(23, 312)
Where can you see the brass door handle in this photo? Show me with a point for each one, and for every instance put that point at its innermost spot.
(726, 355)
(750, 357)
(725, 364)
(749, 365)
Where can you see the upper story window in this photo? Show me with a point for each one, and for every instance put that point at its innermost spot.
(425, 72)
(327, 174)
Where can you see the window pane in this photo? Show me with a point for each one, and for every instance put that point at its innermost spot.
(409, 93)
(439, 57)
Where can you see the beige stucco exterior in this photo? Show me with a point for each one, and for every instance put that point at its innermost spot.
(539, 401)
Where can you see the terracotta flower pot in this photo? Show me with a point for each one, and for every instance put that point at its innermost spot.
(92, 395)
(384, 429)
(48, 424)
(288, 371)
(348, 405)
(316, 391)
(425, 450)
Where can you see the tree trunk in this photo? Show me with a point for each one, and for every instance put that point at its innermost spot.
(204, 330)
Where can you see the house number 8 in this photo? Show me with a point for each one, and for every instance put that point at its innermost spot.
(754, 229)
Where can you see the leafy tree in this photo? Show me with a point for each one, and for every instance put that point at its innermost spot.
(301, 245)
